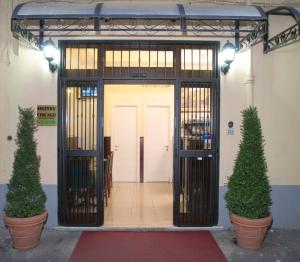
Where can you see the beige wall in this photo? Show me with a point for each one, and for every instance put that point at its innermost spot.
(277, 96)
(25, 80)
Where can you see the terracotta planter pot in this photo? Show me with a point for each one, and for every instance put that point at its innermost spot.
(250, 233)
(25, 232)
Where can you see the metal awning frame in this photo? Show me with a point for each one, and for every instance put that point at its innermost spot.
(287, 36)
(247, 31)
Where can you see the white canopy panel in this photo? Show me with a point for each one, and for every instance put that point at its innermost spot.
(199, 11)
(54, 9)
(139, 10)
(132, 10)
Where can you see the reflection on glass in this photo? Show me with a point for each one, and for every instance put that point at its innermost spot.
(81, 118)
(196, 118)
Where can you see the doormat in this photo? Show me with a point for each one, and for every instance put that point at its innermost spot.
(147, 247)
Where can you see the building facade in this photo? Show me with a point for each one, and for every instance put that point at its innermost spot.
(268, 81)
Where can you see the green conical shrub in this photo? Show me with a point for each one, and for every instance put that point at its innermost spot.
(248, 192)
(25, 196)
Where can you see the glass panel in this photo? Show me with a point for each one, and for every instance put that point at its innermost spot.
(197, 59)
(109, 58)
(210, 59)
(134, 58)
(196, 127)
(144, 59)
(169, 58)
(71, 58)
(117, 58)
(153, 58)
(92, 58)
(188, 59)
(125, 58)
(81, 58)
(81, 118)
(161, 58)
(203, 59)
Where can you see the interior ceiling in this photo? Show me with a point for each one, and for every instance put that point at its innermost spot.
(263, 3)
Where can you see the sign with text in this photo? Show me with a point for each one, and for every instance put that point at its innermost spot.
(46, 115)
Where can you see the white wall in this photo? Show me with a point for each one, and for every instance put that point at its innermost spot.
(139, 95)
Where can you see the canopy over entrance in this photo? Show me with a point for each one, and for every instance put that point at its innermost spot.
(247, 24)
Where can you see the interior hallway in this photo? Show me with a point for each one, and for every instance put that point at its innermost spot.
(140, 205)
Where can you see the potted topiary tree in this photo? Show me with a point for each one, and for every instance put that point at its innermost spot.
(25, 200)
(248, 196)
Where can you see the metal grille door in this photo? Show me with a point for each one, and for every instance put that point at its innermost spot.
(196, 185)
(79, 202)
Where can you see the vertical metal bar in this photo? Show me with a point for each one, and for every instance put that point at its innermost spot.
(165, 64)
(266, 35)
(62, 118)
(41, 33)
(139, 64)
(121, 66)
(85, 117)
(237, 35)
(113, 63)
(177, 172)
(103, 59)
(192, 60)
(100, 153)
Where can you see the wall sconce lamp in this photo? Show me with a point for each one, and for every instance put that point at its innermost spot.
(49, 53)
(228, 54)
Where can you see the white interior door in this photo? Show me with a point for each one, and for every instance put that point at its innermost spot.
(157, 159)
(124, 143)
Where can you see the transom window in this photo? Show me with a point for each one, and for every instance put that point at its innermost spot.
(196, 59)
(81, 58)
(138, 58)
(141, 60)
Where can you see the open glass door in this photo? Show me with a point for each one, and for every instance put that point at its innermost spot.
(80, 183)
(196, 185)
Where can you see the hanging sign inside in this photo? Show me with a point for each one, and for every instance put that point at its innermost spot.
(46, 115)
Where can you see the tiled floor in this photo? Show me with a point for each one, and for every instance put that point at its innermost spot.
(140, 205)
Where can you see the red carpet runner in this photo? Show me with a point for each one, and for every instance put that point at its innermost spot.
(147, 247)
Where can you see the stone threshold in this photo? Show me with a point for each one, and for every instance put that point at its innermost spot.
(132, 228)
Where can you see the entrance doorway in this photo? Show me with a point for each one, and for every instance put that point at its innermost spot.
(138, 119)
(192, 152)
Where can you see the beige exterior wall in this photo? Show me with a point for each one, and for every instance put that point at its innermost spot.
(26, 81)
(277, 96)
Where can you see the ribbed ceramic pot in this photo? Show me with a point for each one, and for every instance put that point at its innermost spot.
(25, 232)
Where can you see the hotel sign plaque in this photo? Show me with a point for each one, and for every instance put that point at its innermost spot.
(46, 115)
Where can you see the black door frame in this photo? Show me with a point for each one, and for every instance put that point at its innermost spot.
(100, 145)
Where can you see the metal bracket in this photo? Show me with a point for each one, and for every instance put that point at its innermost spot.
(21, 33)
(255, 37)
(286, 37)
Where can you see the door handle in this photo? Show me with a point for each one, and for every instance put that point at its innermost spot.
(167, 148)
